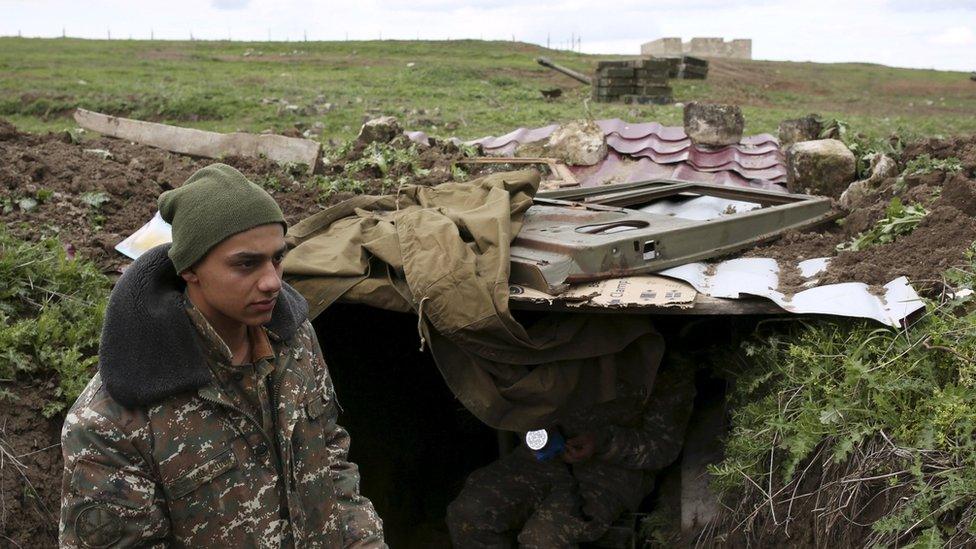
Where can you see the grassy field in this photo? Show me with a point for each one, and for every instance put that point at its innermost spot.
(455, 88)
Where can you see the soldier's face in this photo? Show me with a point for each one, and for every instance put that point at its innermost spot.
(238, 281)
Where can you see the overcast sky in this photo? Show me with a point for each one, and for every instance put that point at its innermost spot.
(908, 33)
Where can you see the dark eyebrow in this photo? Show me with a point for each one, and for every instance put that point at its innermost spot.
(256, 255)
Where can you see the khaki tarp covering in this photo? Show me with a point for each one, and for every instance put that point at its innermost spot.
(443, 253)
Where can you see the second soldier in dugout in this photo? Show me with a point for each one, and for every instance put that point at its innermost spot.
(612, 452)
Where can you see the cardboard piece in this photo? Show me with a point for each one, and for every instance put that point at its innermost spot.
(631, 292)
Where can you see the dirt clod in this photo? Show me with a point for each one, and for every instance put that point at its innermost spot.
(940, 241)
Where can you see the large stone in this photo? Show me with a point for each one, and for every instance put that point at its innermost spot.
(578, 143)
(859, 192)
(822, 167)
(382, 129)
(795, 130)
(713, 125)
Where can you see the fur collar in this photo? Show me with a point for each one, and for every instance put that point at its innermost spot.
(150, 349)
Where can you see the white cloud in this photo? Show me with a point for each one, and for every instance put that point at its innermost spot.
(955, 36)
(230, 4)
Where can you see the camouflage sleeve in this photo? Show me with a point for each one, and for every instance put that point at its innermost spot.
(361, 525)
(658, 440)
(108, 495)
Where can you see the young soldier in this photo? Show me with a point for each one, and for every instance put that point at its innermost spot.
(212, 419)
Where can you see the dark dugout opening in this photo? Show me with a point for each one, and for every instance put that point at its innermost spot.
(413, 440)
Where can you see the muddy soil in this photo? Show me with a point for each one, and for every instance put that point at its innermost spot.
(61, 175)
(30, 468)
(940, 241)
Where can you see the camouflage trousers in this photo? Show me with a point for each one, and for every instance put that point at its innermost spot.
(537, 502)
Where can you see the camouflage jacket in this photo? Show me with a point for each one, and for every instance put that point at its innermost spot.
(639, 436)
(157, 453)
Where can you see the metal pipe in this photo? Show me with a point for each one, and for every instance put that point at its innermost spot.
(545, 62)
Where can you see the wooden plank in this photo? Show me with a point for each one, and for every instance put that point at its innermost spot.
(203, 143)
(562, 176)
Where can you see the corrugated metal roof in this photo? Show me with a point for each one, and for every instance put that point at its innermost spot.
(649, 150)
(618, 168)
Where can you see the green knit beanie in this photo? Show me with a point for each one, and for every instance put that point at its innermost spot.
(214, 203)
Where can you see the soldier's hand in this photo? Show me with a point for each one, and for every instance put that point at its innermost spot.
(580, 448)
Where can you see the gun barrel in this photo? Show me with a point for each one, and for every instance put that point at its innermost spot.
(546, 62)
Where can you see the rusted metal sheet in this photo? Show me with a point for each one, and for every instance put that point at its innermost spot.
(585, 234)
(617, 168)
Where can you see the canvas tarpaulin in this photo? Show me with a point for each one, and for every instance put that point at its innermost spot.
(443, 253)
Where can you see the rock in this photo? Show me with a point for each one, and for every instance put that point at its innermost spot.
(795, 130)
(101, 153)
(882, 167)
(578, 143)
(713, 125)
(382, 129)
(288, 109)
(26, 204)
(822, 167)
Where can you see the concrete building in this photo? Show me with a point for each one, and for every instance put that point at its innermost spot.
(700, 47)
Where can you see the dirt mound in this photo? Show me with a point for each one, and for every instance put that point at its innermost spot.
(376, 166)
(961, 148)
(939, 242)
(7, 131)
(91, 195)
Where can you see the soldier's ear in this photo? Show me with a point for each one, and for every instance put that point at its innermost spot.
(189, 276)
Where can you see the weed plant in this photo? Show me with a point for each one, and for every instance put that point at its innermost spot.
(51, 311)
(845, 424)
(899, 220)
(380, 168)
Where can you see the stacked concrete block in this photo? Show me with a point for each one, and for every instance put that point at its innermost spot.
(693, 68)
(686, 66)
(639, 81)
(674, 66)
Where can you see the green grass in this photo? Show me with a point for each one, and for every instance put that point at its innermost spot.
(467, 88)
